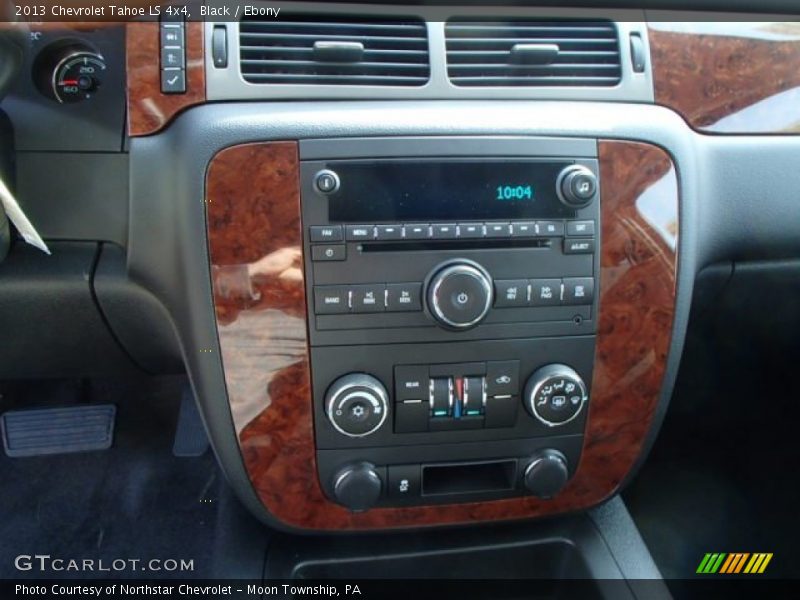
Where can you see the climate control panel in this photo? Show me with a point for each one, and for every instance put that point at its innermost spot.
(393, 432)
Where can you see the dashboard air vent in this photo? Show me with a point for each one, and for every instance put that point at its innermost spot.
(334, 51)
(533, 53)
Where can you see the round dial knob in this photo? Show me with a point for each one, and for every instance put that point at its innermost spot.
(547, 473)
(357, 404)
(459, 294)
(576, 186)
(69, 72)
(357, 486)
(555, 394)
(326, 182)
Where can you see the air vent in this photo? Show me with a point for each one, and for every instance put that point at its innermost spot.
(533, 53)
(334, 51)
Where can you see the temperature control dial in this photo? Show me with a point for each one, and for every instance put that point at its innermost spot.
(357, 404)
(555, 394)
(69, 73)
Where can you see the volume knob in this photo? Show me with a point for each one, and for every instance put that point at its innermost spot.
(357, 405)
(459, 294)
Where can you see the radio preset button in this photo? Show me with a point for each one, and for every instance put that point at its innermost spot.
(327, 233)
(418, 231)
(578, 246)
(331, 300)
(327, 252)
(545, 292)
(358, 233)
(550, 228)
(470, 230)
(510, 293)
(578, 290)
(580, 228)
(388, 232)
(498, 230)
(368, 298)
(523, 230)
(403, 297)
(443, 231)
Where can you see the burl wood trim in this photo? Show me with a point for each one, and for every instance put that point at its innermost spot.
(148, 109)
(706, 78)
(255, 244)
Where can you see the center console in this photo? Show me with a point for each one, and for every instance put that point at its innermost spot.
(420, 331)
(451, 316)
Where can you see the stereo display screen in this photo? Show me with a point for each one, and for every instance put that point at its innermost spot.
(408, 191)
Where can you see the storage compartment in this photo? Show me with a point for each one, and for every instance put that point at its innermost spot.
(552, 559)
(594, 555)
(466, 478)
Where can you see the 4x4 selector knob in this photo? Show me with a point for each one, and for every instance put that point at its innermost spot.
(576, 186)
(459, 294)
(555, 394)
(357, 404)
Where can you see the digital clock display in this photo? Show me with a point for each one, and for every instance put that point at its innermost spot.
(445, 190)
(515, 192)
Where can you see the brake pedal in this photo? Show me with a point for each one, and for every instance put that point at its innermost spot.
(45, 431)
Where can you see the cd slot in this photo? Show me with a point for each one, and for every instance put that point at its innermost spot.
(452, 245)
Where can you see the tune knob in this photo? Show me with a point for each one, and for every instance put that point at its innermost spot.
(547, 473)
(358, 486)
(357, 404)
(555, 394)
(576, 186)
(459, 294)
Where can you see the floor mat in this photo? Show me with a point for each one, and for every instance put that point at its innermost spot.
(135, 501)
(721, 475)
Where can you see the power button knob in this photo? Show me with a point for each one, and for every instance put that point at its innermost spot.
(576, 186)
(326, 182)
(459, 294)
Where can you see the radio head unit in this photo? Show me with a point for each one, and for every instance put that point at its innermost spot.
(451, 318)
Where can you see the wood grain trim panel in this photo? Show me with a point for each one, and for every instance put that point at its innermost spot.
(148, 109)
(255, 237)
(743, 78)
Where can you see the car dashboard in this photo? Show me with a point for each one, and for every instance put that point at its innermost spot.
(424, 266)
